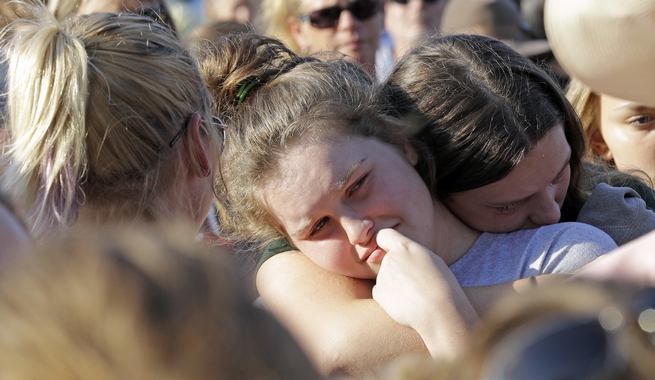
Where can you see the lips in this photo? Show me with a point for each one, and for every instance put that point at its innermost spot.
(374, 256)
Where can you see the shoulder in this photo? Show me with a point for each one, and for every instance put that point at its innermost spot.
(275, 247)
(570, 245)
(618, 211)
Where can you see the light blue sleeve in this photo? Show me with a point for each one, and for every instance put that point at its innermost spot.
(571, 246)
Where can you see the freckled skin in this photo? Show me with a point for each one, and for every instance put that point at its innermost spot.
(384, 191)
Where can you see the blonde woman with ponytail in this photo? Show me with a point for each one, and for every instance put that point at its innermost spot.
(109, 122)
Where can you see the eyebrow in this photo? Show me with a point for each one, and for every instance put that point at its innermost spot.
(337, 187)
(635, 108)
(559, 173)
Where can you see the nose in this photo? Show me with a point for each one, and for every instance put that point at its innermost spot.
(546, 210)
(347, 20)
(358, 229)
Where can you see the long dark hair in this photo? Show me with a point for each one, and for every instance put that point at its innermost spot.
(474, 108)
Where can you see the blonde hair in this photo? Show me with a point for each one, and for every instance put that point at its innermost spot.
(290, 98)
(140, 304)
(587, 104)
(272, 19)
(92, 107)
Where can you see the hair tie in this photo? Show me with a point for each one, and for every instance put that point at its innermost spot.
(243, 90)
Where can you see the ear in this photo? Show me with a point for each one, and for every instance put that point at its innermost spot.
(410, 153)
(294, 26)
(600, 147)
(195, 146)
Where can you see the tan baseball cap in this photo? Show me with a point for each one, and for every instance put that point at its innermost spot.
(608, 44)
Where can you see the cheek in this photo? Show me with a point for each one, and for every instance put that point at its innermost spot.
(319, 39)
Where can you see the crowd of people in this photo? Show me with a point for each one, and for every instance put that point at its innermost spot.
(450, 189)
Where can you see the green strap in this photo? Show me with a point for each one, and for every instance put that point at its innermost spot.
(243, 90)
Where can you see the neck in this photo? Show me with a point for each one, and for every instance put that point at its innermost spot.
(452, 238)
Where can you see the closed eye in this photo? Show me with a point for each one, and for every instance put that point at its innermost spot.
(318, 227)
(559, 176)
(360, 182)
(508, 209)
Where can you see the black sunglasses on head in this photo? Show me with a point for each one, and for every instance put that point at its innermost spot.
(329, 17)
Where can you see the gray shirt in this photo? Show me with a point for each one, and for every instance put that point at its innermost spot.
(557, 248)
(618, 211)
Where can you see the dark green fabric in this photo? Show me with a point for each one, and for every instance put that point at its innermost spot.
(277, 246)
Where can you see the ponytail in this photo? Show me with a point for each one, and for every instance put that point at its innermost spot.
(46, 108)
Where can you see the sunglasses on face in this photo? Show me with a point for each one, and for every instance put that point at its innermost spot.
(216, 122)
(329, 17)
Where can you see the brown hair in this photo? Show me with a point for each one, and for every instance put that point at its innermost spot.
(140, 304)
(290, 97)
(474, 109)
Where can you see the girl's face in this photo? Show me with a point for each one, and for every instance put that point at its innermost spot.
(530, 196)
(331, 197)
(627, 135)
(355, 34)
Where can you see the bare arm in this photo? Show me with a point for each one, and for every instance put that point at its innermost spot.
(335, 318)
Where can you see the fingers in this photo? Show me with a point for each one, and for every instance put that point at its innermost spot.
(390, 240)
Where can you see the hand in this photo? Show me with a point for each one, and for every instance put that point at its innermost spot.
(632, 263)
(417, 289)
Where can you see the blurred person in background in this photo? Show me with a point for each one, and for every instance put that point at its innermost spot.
(503, 20)
(349, 27)
(409, 21)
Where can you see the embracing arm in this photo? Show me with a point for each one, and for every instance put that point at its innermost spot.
(335, 318)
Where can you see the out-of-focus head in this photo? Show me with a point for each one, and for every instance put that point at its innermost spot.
(107, 114)
(239, 11)
(309, 26)
(430, 12)
(138, 304)
(274, 99)
(409, 21)
(575, 330)
(606, 44)
(619, 131)
(497, 139)
(500, 19)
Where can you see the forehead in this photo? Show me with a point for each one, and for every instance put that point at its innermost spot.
(307, 172)
(536, 170)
